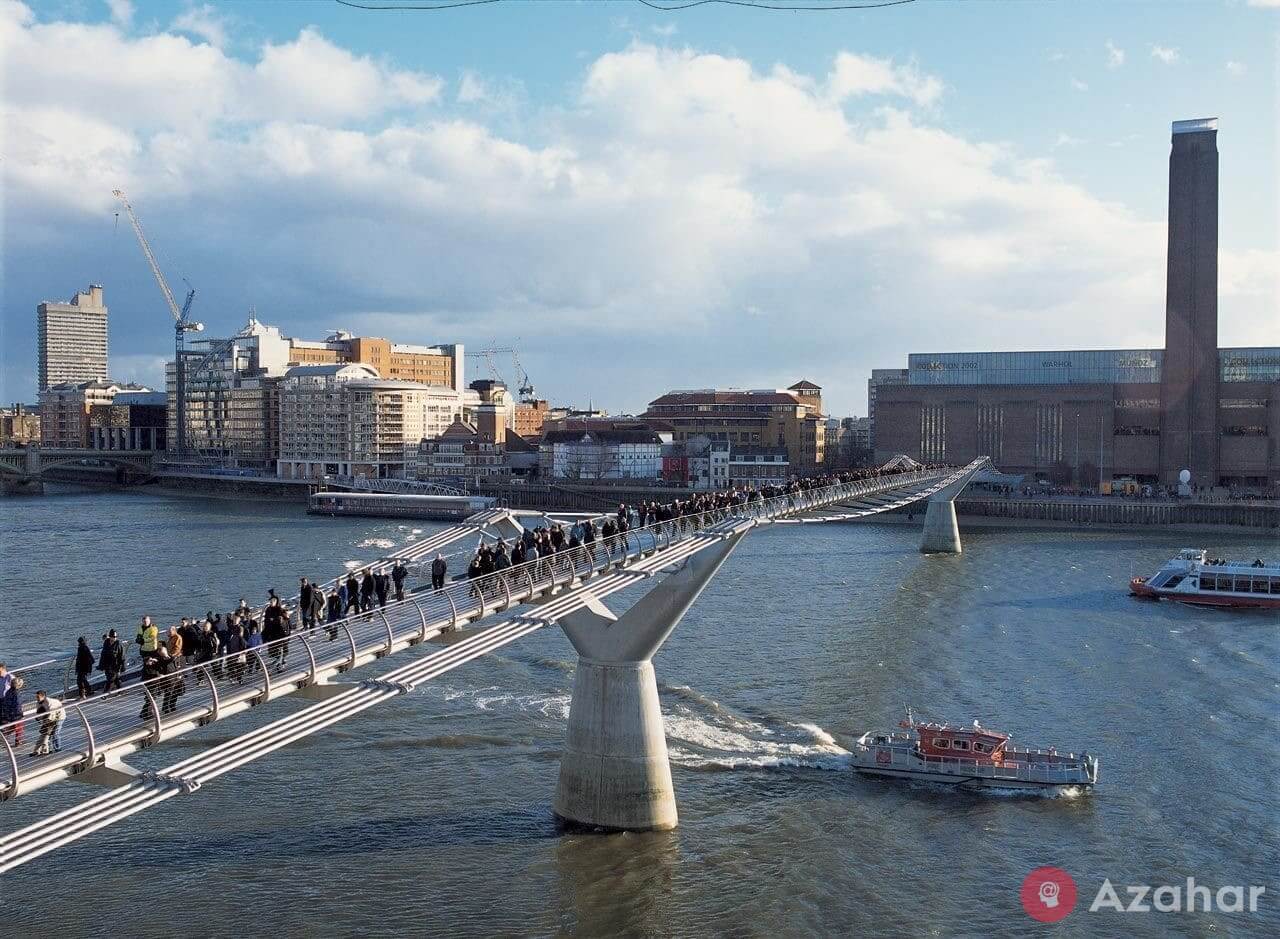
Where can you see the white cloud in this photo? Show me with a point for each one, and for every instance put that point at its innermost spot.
(1078, 85)
(312, 79)
(471, 88)
(1115, 55)
(1056, 56)
(666, 30)
(121, 11)
(1166, 54)
(205, 22)
(1237, 69)
(1264, 3)
(1066, 140)
(864, 75)
(669, 193)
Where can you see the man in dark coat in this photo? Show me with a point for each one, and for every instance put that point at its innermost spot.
(189, 630)
(171, 685)
(84, 668)
(438, 570)
(398, 574)
(381, 583)
(366, 591)
(316, 608)
(353, 593)
(150, 670)
(111, 661)
(304, 601)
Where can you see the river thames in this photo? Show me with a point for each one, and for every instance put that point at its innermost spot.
(431, 814)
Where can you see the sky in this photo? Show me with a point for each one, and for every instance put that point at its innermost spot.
(638, 200)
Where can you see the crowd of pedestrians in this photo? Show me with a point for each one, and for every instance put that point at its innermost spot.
(226, 642)
(609, 535)
(49, 714)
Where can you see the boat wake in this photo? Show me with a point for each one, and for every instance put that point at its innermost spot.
(702, 734)
(710, 743)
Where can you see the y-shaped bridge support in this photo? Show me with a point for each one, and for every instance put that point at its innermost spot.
(941, 531)
(615, 773)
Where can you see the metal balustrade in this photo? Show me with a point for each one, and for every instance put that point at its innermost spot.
(144, 714)
(187, 776)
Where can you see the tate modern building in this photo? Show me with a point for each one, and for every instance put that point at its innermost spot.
(1102, 415)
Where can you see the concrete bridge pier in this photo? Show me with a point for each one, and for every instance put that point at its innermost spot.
(941, 530)
(27, 481)
(615, 773)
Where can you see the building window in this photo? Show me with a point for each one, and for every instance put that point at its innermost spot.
(1048, 433)
(933, 433)
(990, 430)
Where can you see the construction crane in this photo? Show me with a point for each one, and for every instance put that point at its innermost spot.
(182, 324)
(526, 389)
(487, 355)
(527, 394)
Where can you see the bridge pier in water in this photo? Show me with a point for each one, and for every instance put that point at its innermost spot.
(615, 773)
(941, 533)
(941, 530)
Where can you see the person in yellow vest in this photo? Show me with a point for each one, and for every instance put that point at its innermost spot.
(148, 638)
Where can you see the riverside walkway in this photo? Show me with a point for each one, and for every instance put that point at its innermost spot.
(100, 732)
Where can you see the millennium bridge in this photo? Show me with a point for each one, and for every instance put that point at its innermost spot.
(614, 771)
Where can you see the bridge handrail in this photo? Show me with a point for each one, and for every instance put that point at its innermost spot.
(412, 553)
(465, 600)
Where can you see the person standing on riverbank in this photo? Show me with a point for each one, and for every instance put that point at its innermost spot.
(439, 568)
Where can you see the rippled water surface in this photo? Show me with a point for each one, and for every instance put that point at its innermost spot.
(431, 815)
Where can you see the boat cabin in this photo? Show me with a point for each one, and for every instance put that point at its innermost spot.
(942, 741)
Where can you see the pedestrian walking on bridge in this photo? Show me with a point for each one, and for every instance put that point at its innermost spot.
(50, 714)
(304, 601)
(111, 660)
(84, 668)
(148, 638)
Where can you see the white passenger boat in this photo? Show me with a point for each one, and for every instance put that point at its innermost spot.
(1193, 577)
(968, 757)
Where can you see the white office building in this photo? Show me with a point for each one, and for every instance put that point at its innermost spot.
(72, 339)
(342, 419)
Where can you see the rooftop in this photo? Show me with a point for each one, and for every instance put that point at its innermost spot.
(1196, 126)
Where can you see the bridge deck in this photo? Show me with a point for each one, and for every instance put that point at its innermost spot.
(100, 731)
